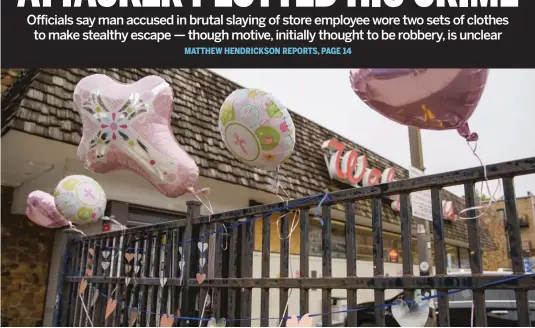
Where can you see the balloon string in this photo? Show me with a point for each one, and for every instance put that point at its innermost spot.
(86, 311)
(295, 223)
(207, 205)
(111, 218)
(204, 191)
(485, 183)
(73, 228)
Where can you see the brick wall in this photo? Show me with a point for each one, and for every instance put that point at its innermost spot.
(525, 207)
(26, 250)
(500, 257)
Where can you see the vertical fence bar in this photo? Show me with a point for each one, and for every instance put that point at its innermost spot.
(440, 255)
(142, 272)
(284, 263)
(191, 256)
(174, 272)
(118, 272)
(96, 311)
(405, 214)
(90, 268)
(220, 247)
(378, 258)
(232, 273)
(160, 263)
(81, 267)
(476, 263)
(247, 247)
(113, 292)
(151, 319)
(133, 246)
(74, 289)
(304, 219)
(87, 272)
(65, 289)
(204, 243)
(515, 244)
(326, 264)
(266, 258)
(351, 260)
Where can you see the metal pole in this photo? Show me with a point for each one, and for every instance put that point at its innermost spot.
(423, 235)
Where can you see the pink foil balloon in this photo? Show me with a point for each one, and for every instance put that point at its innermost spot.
(434, 99)
(128, 126)
(41, 210)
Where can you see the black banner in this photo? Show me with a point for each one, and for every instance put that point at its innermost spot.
(201, 33)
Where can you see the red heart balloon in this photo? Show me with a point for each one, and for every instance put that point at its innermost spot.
(433, 99)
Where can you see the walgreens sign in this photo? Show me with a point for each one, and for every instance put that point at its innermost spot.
(352, 168)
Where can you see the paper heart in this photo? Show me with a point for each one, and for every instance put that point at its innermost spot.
(414, 316)
(110, 307)
(167, 320)
(139, 256)
(202, 246)
(128, 127)
(129, 257)
(132, 317)
(83, 286)
(202, 262)
(136, 269)
(94, 297)
(127, 268)
(305, 321)
(105, 265)
(89, 261)
(200, 277)
(217, 323)
(105, 254)
(91, 251)
(127, 281)
(163, 281)
(89, 272)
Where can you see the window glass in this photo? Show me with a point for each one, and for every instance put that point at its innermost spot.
(452, 256)
(391, 245)
(138, 216)
(464, 258)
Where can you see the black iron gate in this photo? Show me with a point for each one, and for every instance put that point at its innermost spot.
(161, 274)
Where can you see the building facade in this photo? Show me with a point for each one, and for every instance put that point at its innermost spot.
(525, 207)
(40, 133)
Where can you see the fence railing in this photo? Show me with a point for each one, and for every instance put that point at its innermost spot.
(168, 269)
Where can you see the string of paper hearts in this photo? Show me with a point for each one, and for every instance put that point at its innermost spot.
(302, 321)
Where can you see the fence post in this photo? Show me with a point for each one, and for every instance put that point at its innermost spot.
(191, 254)
(56, 278)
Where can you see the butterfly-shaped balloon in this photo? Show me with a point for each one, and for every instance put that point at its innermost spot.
(128, 126)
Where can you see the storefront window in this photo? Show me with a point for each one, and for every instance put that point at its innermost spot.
(464, 258)
(452, 256)
(391, 245)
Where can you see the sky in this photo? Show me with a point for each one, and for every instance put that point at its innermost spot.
(504, 119)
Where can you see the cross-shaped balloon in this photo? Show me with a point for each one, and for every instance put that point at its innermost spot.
(128, 126)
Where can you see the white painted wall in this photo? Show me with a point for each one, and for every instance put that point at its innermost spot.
(364, 269)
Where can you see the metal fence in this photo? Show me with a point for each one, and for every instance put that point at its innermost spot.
(155, 271)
